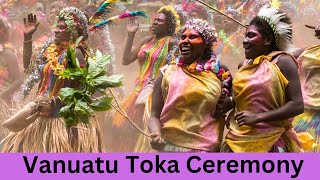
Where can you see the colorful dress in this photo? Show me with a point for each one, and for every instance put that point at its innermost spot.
(260, 87)
(309, 121)
(189, 100)
(151, 56)
(48, 133)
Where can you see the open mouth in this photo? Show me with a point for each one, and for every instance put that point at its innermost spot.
(185, 50)
(153, 28)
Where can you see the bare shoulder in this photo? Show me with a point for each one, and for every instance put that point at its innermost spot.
(287, 64)
(146, 39)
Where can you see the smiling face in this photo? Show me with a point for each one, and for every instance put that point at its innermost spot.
(61, 32)
(192, 46)
(254, 43)
(159, 25)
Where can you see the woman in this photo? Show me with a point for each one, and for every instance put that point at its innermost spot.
(309, 120)
(185, 95)
(10, 78)
(151, 54)
(266, 88)
(48, 133)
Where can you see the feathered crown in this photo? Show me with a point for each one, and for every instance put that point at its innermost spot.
(100, 18)
(208, 32)
(281, 30)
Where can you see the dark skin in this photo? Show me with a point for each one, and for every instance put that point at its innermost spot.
(62, 36)
(159, 29)
(192, 47)
(256, 45)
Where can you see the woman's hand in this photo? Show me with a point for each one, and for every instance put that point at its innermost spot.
(247, 118)
(133, 26)
(30, 26)
(157, 143)
(224, 105)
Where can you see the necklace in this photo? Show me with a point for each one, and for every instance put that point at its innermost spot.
(213, 64)
(53, 55)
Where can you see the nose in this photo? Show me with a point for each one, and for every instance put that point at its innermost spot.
(184, 41)
(245, 40)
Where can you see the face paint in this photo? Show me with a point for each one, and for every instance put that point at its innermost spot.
(254, 43)
(191, 46)
(61, 32)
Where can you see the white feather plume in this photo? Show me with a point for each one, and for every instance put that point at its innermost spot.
(282, 29)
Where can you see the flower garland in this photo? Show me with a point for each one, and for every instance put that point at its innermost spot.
(53, 58)
(210, 65)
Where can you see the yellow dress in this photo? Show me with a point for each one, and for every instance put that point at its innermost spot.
(260, 87)
(309, 121)
(189, 99)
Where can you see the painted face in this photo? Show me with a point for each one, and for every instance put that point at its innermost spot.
(61, 32)
(160, 25)
(191, 46)
(253, 43)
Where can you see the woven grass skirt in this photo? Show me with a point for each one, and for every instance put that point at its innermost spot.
(51, 135)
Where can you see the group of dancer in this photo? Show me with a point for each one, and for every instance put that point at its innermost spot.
(185, 97)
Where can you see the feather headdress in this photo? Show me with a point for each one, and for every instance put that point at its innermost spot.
(114, 19)
(103, 11)
(100, 18)
(281, 30)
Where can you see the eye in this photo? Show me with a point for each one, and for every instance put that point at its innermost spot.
(183, 37)
(193, 36)
(250, 34)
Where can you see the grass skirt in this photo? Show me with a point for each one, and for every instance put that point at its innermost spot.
(309, 121)
(5, 113)
(51, 135)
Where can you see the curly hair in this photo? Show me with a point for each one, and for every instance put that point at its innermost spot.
(173, 19)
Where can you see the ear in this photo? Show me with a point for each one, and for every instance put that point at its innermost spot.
(268, 40)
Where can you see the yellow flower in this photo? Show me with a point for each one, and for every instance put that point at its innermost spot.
(192, 67)
(225, 75)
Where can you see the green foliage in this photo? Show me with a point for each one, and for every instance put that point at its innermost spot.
(80, 103)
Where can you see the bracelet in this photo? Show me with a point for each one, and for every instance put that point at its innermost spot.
(27, 41)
